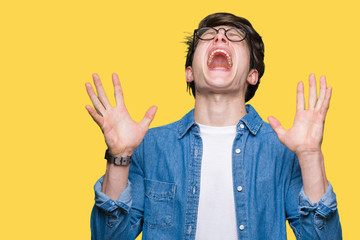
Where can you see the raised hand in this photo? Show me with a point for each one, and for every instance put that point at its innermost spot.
(122, 134)
(306, 134)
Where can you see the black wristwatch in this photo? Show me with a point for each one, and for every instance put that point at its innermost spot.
(118, 161)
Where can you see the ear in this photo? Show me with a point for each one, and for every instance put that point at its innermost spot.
(253, 77)
(189, 74)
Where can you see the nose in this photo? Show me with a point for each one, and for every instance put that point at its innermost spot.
(220, 36)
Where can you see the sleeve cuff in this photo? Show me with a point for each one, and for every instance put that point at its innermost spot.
(105, 203)
(323, 209)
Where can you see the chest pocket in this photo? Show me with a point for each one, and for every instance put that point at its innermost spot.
(159, 203)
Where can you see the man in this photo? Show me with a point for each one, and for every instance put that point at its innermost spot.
(220, 172)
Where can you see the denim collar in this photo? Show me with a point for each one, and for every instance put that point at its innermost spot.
(252, 121)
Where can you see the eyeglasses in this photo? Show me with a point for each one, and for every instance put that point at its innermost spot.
(209, 33)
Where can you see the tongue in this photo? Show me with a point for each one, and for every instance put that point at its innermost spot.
(219, 61)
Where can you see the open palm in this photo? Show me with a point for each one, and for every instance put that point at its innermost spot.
(306, 134)
(122, 134)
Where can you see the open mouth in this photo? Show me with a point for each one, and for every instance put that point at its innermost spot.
(219, 59)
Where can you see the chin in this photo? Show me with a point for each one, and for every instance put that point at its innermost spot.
(219, 83)
(219, 78)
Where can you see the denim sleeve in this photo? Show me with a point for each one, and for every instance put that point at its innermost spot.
(121, 219)
(110, 218)
(320, 219)
(311, 220)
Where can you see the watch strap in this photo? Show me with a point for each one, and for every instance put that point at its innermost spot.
(118, 161)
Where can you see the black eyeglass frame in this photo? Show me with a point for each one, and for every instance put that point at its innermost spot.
(217, 31)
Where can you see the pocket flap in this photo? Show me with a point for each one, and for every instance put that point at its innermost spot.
(159, 190)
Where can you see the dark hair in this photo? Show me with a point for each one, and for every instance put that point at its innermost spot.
(253, 39)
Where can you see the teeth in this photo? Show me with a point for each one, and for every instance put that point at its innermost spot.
(220, 51)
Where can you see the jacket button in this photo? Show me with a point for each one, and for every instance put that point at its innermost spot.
(241, 227)
(238, 150)
(239, 188)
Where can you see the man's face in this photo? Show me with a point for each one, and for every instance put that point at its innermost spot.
(221, 66)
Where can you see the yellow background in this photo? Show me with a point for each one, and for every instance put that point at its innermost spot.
(51, 150)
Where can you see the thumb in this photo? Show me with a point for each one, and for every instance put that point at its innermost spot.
(277, 127)
(149, 116)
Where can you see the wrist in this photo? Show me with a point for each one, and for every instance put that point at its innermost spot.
(115, 180)
(313, 174)
(118, 160)
(310, 157)
(121, 153)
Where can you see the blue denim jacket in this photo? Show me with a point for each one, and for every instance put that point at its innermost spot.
(162, 195)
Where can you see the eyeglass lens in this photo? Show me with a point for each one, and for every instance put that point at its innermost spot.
(233, 34)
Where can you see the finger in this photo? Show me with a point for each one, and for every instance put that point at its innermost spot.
(277, 127)
(149, 116)
(119, 96)
(322, 93)
(312, 92)
(94, 99)
(96, 117)
(100, 91)
(300, 100)
(326, 104)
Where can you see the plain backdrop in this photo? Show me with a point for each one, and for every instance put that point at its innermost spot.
(51, 150)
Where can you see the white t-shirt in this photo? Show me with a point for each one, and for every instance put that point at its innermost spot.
(216, 213)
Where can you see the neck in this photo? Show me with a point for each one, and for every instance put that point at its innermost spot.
(219, 109)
